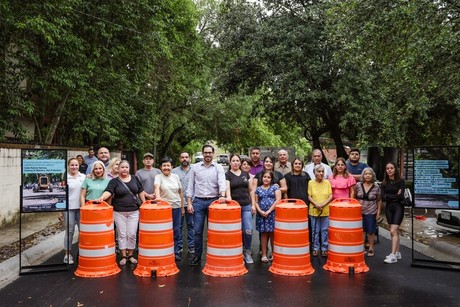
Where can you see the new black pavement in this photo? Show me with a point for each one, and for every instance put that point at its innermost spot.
(397, 284)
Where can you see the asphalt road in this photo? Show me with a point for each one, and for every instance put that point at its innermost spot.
(397, 284)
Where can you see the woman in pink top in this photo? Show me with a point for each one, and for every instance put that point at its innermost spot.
(342, 182)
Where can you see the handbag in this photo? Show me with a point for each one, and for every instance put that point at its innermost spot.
(407, 200)
(137, 201)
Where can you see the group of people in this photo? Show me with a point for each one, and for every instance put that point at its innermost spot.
(317, 185)
(257, 185)
(110, 180)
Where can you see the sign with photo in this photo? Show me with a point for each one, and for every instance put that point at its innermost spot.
(436, 177)
(44, 180)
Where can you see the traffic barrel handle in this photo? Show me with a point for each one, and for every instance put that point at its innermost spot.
(97, 203)
(293, 201)
(155, 202)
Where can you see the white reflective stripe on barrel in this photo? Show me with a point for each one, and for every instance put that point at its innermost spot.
(155, 226)
(345, 224)
(95, 227)
(224, 227)
(107, 251)
(346, 249)
(225, 251)
(291, 225)
(158, 252)
(304, 250)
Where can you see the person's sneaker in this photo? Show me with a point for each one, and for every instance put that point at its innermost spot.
(248, 257)
(68, 259)
(391, 258)
(397, 254)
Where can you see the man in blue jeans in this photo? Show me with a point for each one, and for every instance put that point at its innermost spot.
(183, 172)
(206, 184)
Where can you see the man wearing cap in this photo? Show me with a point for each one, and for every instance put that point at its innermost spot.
(147, 175)
(206, 184)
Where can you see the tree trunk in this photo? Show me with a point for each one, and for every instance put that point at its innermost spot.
(56, 119)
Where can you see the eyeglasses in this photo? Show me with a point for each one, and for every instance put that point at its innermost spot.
(207, 153)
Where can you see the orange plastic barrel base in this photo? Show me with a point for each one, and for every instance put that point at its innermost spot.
(291, 266)
(97, 267)
(164, 266)
(219, 266)
(341, 263)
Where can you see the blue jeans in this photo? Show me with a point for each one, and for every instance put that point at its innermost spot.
(176, 217)
(320, 225)
(200, 206)
(247, 226)
(188, 218)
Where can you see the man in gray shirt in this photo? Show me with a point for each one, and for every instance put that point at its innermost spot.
(183, 172)
(206, 184)
(147, 175)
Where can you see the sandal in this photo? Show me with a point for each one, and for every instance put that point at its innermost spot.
(132, 259)
(264, 259)
(315, 253)
(370, 253)
(123, 260)
(324, 253)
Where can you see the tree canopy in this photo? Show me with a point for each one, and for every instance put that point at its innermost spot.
(172, 74)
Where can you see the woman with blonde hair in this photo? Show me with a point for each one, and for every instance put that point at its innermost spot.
(113, 168)
(95, 184)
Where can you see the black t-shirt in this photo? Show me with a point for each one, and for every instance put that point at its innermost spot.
(390, 191)
(122, 200)
(277, 177)
(297, 186)
(239, 187)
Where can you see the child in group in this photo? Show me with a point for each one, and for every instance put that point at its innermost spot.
(267, 195)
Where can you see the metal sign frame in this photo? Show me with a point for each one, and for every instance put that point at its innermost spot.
(41, 192)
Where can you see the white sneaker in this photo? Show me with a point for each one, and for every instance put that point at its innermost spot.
(248, 257)
(397, 255)
(391, 258)
(68, 259)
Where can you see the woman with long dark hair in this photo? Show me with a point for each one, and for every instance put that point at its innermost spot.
(239, 189)
(297, 181)
(392, 193)
(342, 183)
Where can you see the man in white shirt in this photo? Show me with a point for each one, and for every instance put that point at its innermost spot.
(316, 158)
(206, 184)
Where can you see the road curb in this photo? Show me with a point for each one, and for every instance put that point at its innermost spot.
(37, 254)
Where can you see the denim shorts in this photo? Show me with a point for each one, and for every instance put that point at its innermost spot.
(369, 223)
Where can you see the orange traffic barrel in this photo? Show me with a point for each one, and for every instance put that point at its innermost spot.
(224, 256)
(346, 241)
(156, 240)
(97, 241)
(291, 251)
